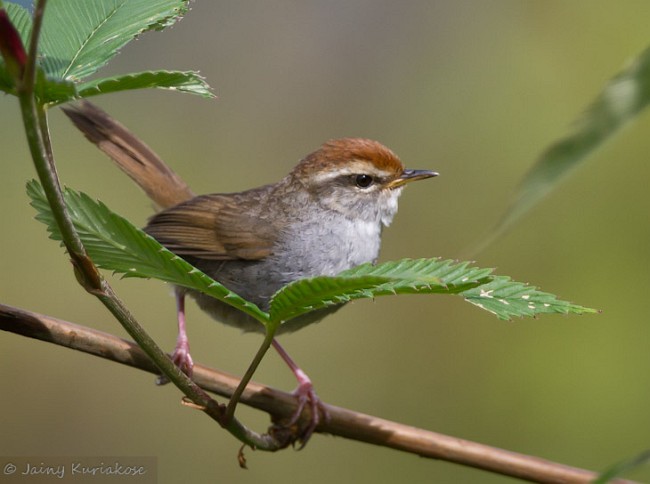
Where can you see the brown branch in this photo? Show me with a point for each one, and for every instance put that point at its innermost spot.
(343, 422)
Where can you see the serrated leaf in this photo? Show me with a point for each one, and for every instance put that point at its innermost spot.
(506, 299)
(622, 99)
(305, 295)
(115, 244)
(190, 82)
(452, 275)
(80, 36)
(407, 276)
(496, 294)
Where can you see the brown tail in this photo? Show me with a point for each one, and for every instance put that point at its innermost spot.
(135, 158)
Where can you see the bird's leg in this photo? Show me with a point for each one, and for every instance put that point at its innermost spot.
(181, 356)
(305, 394)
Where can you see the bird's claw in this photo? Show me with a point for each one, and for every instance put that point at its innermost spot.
(183, 360)
(306, 396)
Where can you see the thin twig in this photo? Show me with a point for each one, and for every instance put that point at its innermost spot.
(343, 422)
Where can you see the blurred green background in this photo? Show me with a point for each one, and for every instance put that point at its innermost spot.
(472, 89)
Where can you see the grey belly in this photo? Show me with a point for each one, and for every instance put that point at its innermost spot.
(226, 314)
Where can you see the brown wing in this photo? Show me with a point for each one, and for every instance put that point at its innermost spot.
(216, 227)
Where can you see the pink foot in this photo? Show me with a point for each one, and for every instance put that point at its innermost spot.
(305, 395)
(181, 356)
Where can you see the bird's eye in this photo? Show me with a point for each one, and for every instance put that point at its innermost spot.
(363, 181)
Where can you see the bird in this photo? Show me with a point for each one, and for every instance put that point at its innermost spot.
(325, 216)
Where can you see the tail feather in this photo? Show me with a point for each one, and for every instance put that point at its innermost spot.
(135, 158)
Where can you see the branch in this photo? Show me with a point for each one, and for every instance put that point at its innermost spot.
(343, 422)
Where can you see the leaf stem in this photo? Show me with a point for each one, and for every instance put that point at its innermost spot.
(29, 75)
(234, 399)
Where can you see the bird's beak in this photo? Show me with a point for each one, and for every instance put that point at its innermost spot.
(408, 176)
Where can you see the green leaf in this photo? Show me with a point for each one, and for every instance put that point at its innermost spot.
(53, 91)
(115, 244)
(417, 275)
(506, 299)
(47, 90)
(81, 36)
(622, 99)
(190, 82)
(497, 294)
(407, 276)
(306, 295)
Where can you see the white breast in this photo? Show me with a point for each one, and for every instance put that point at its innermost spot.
(329, 245)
